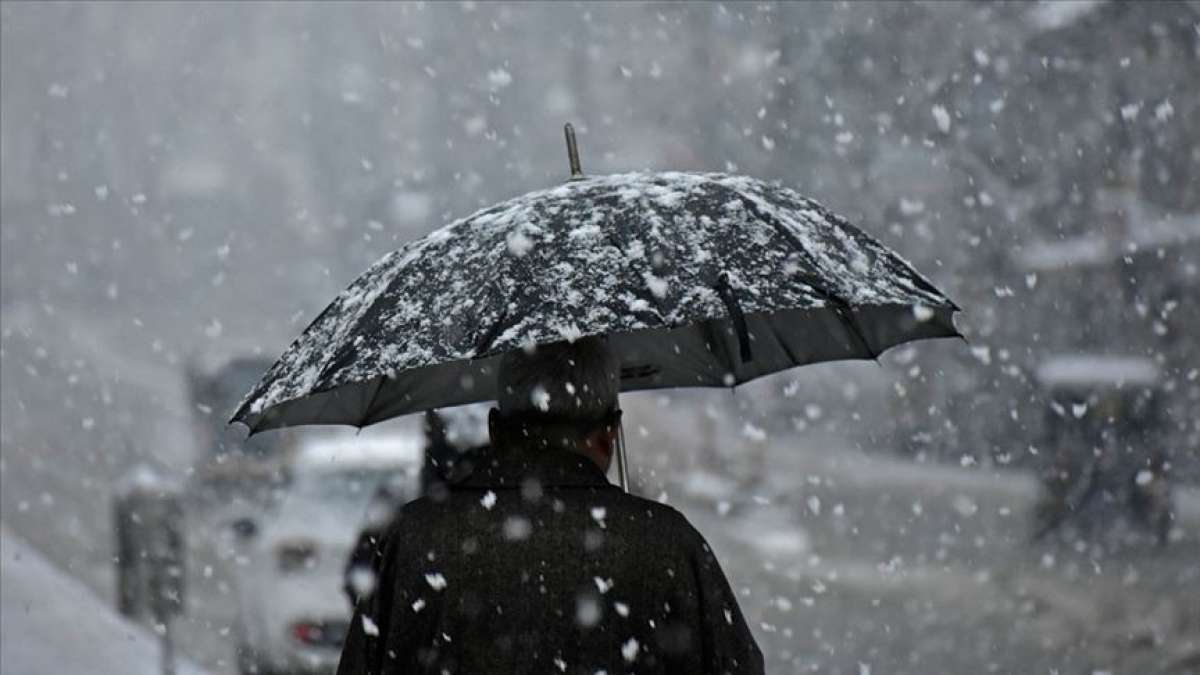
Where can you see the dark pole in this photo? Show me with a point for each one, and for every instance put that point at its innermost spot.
(167, 642)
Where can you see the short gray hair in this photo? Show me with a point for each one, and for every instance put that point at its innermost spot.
(565, 381)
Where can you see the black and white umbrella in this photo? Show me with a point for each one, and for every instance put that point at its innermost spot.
(697, 279)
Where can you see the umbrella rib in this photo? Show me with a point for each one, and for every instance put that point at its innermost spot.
(370, 409)
(736, 316)
(842, 309)
(713, 339)
(783, 232)
(341, 358)
(782, 343)
(651, 298)
(492, 333)
(840, 306)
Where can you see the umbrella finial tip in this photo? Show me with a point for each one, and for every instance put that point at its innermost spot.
(572, 151)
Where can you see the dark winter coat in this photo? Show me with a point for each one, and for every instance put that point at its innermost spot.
(536, 564)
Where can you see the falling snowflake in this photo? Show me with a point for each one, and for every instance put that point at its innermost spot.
(499, 78)
(369, 626)
(361, 579)
(1163, 111)
(629, 650)
(489, 500)
(587, 611)
(540, 398)
(517, 528)
(942, 117)
(754, 433)
(213, 329)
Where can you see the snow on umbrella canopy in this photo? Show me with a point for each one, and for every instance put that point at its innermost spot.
(698, 279)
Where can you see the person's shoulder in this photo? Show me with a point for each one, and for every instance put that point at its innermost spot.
(430, 509)
(413, 516)
(664, 518)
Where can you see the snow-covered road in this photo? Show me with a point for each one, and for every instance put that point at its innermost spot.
(51, 623)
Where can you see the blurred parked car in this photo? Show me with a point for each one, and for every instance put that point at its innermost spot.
(292, 614)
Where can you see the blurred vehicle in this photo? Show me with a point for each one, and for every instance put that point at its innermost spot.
(1110, 467)
(292, 615)
(230, 466)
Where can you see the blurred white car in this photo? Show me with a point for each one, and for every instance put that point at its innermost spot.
(292, 610)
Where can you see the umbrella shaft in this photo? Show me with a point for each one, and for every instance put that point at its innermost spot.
(622, 462)
(573, 152)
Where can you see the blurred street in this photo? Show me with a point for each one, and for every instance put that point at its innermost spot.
(184, 187)
(874, 565)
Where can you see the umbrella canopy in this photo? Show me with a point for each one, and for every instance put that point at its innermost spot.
(698, 279)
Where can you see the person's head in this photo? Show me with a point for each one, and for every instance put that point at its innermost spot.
(561, 396)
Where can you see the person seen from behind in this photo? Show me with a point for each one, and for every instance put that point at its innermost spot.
(535, 563)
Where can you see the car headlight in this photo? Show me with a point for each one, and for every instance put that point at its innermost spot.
(296, 555)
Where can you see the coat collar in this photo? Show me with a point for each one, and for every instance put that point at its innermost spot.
(511, 467)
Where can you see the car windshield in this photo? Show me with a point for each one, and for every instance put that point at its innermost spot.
(347, 487)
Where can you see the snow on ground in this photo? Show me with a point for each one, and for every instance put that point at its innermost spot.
(51, 622)
(848, 562)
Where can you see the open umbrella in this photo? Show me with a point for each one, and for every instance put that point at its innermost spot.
(697, 279)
